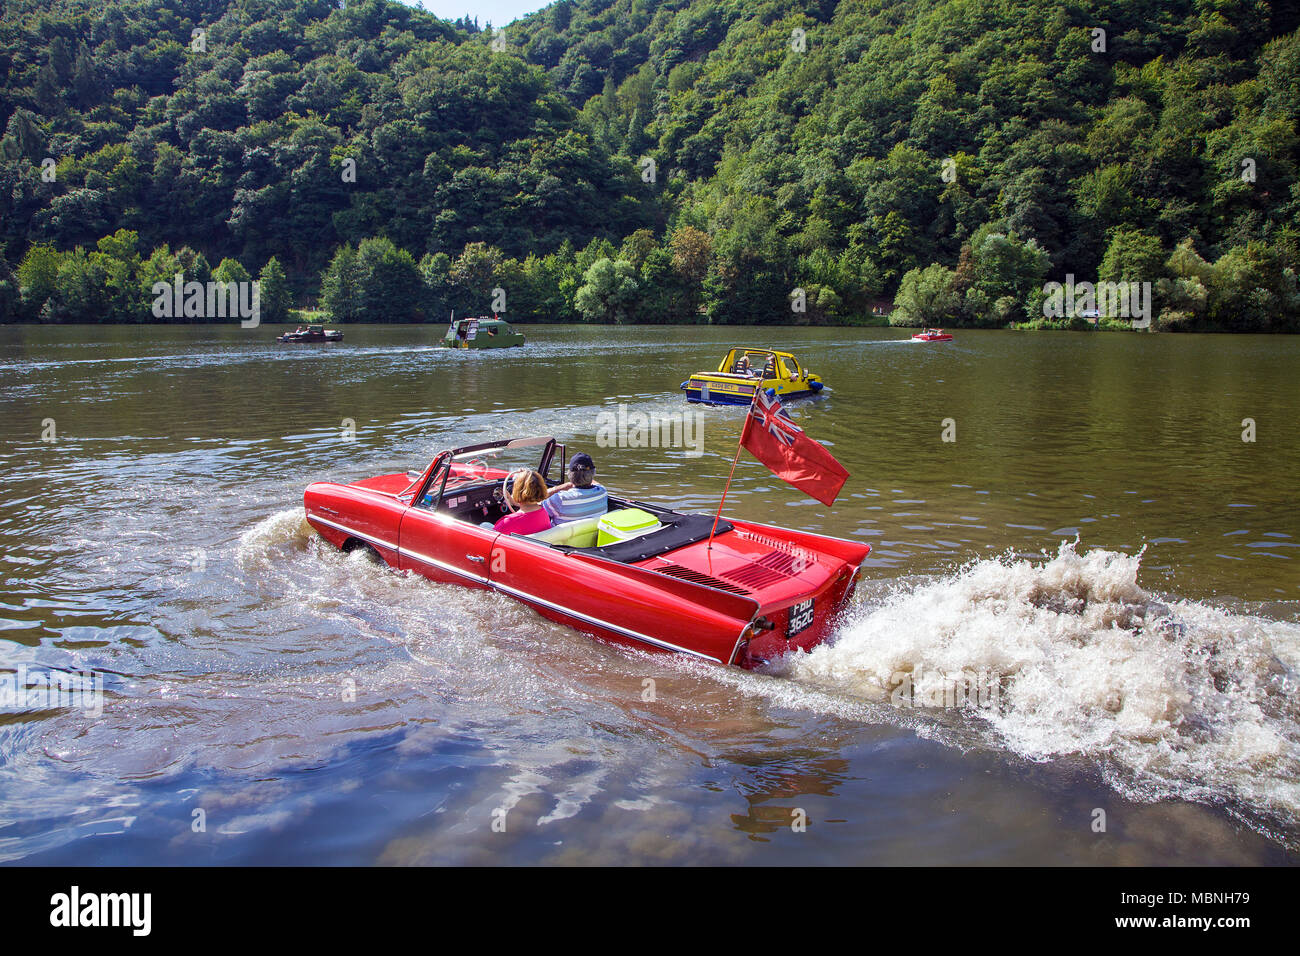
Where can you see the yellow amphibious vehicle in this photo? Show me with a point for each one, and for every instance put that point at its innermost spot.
(745, 369)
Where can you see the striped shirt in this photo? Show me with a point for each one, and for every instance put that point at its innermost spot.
(575, 503)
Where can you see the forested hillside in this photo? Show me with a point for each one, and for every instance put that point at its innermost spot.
(655, 161)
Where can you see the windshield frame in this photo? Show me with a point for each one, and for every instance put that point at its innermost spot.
(439, 469)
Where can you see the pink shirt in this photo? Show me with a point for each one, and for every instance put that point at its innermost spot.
(524, 522)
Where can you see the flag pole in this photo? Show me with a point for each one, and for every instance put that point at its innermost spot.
(753, 398)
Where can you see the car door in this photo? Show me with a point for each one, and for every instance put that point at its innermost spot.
(444, 548)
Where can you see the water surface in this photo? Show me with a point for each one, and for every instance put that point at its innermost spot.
(1098, 544)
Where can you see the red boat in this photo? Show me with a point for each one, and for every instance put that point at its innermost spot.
(757, 593)
(932, 335)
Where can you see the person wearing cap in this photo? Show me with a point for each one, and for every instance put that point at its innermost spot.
(579, 497)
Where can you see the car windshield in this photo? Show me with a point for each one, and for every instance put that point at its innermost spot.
(751, 360)
(522, 453)
(506, 455)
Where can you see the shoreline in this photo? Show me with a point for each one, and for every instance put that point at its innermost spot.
(528, 323)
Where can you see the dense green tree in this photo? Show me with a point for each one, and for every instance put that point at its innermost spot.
(117, 266)
(82, 288)
(926, 297)
(10, 300)
(299, 128)
(608, 292)
(1006, 267)
(475, 273)
(1133, 256)
(549, 291)
(390, 280)
(274, 296)
(627, 129)
(439, 293)
(230, 270)
(38, 279)
(23, 138)
(341, 294)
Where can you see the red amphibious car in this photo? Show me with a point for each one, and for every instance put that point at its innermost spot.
(758, 592)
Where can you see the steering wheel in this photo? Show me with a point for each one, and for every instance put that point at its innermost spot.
(505, 489)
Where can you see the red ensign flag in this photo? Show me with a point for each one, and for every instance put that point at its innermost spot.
(771, 436)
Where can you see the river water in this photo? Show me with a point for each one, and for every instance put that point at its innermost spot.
(1098, 545)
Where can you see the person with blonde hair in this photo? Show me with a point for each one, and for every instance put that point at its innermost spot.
(525, 503)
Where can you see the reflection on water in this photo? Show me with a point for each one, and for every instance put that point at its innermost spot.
(269, 700)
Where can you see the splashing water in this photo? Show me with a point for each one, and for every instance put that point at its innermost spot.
(1049, 659)
(1070, 656)
(260, 545)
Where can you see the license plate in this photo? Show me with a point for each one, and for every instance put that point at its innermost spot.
(801, 618)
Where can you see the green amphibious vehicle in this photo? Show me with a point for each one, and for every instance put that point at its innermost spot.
(481, 333)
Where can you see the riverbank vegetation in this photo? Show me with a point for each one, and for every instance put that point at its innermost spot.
(655, 160)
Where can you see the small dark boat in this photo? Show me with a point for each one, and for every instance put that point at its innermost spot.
(311, 333)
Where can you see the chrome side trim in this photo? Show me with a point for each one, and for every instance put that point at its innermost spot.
(577, 615)
(745, 631)
(525, 596)
(368, 538)
(443, 565)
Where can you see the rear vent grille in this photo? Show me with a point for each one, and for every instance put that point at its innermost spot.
(753, 576)
(698, 577)
(778, 561)
(772, 568)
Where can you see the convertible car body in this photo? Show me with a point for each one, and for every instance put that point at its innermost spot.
(742, 370)
(758, 592)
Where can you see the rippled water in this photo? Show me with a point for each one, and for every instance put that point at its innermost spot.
(1098, 552)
